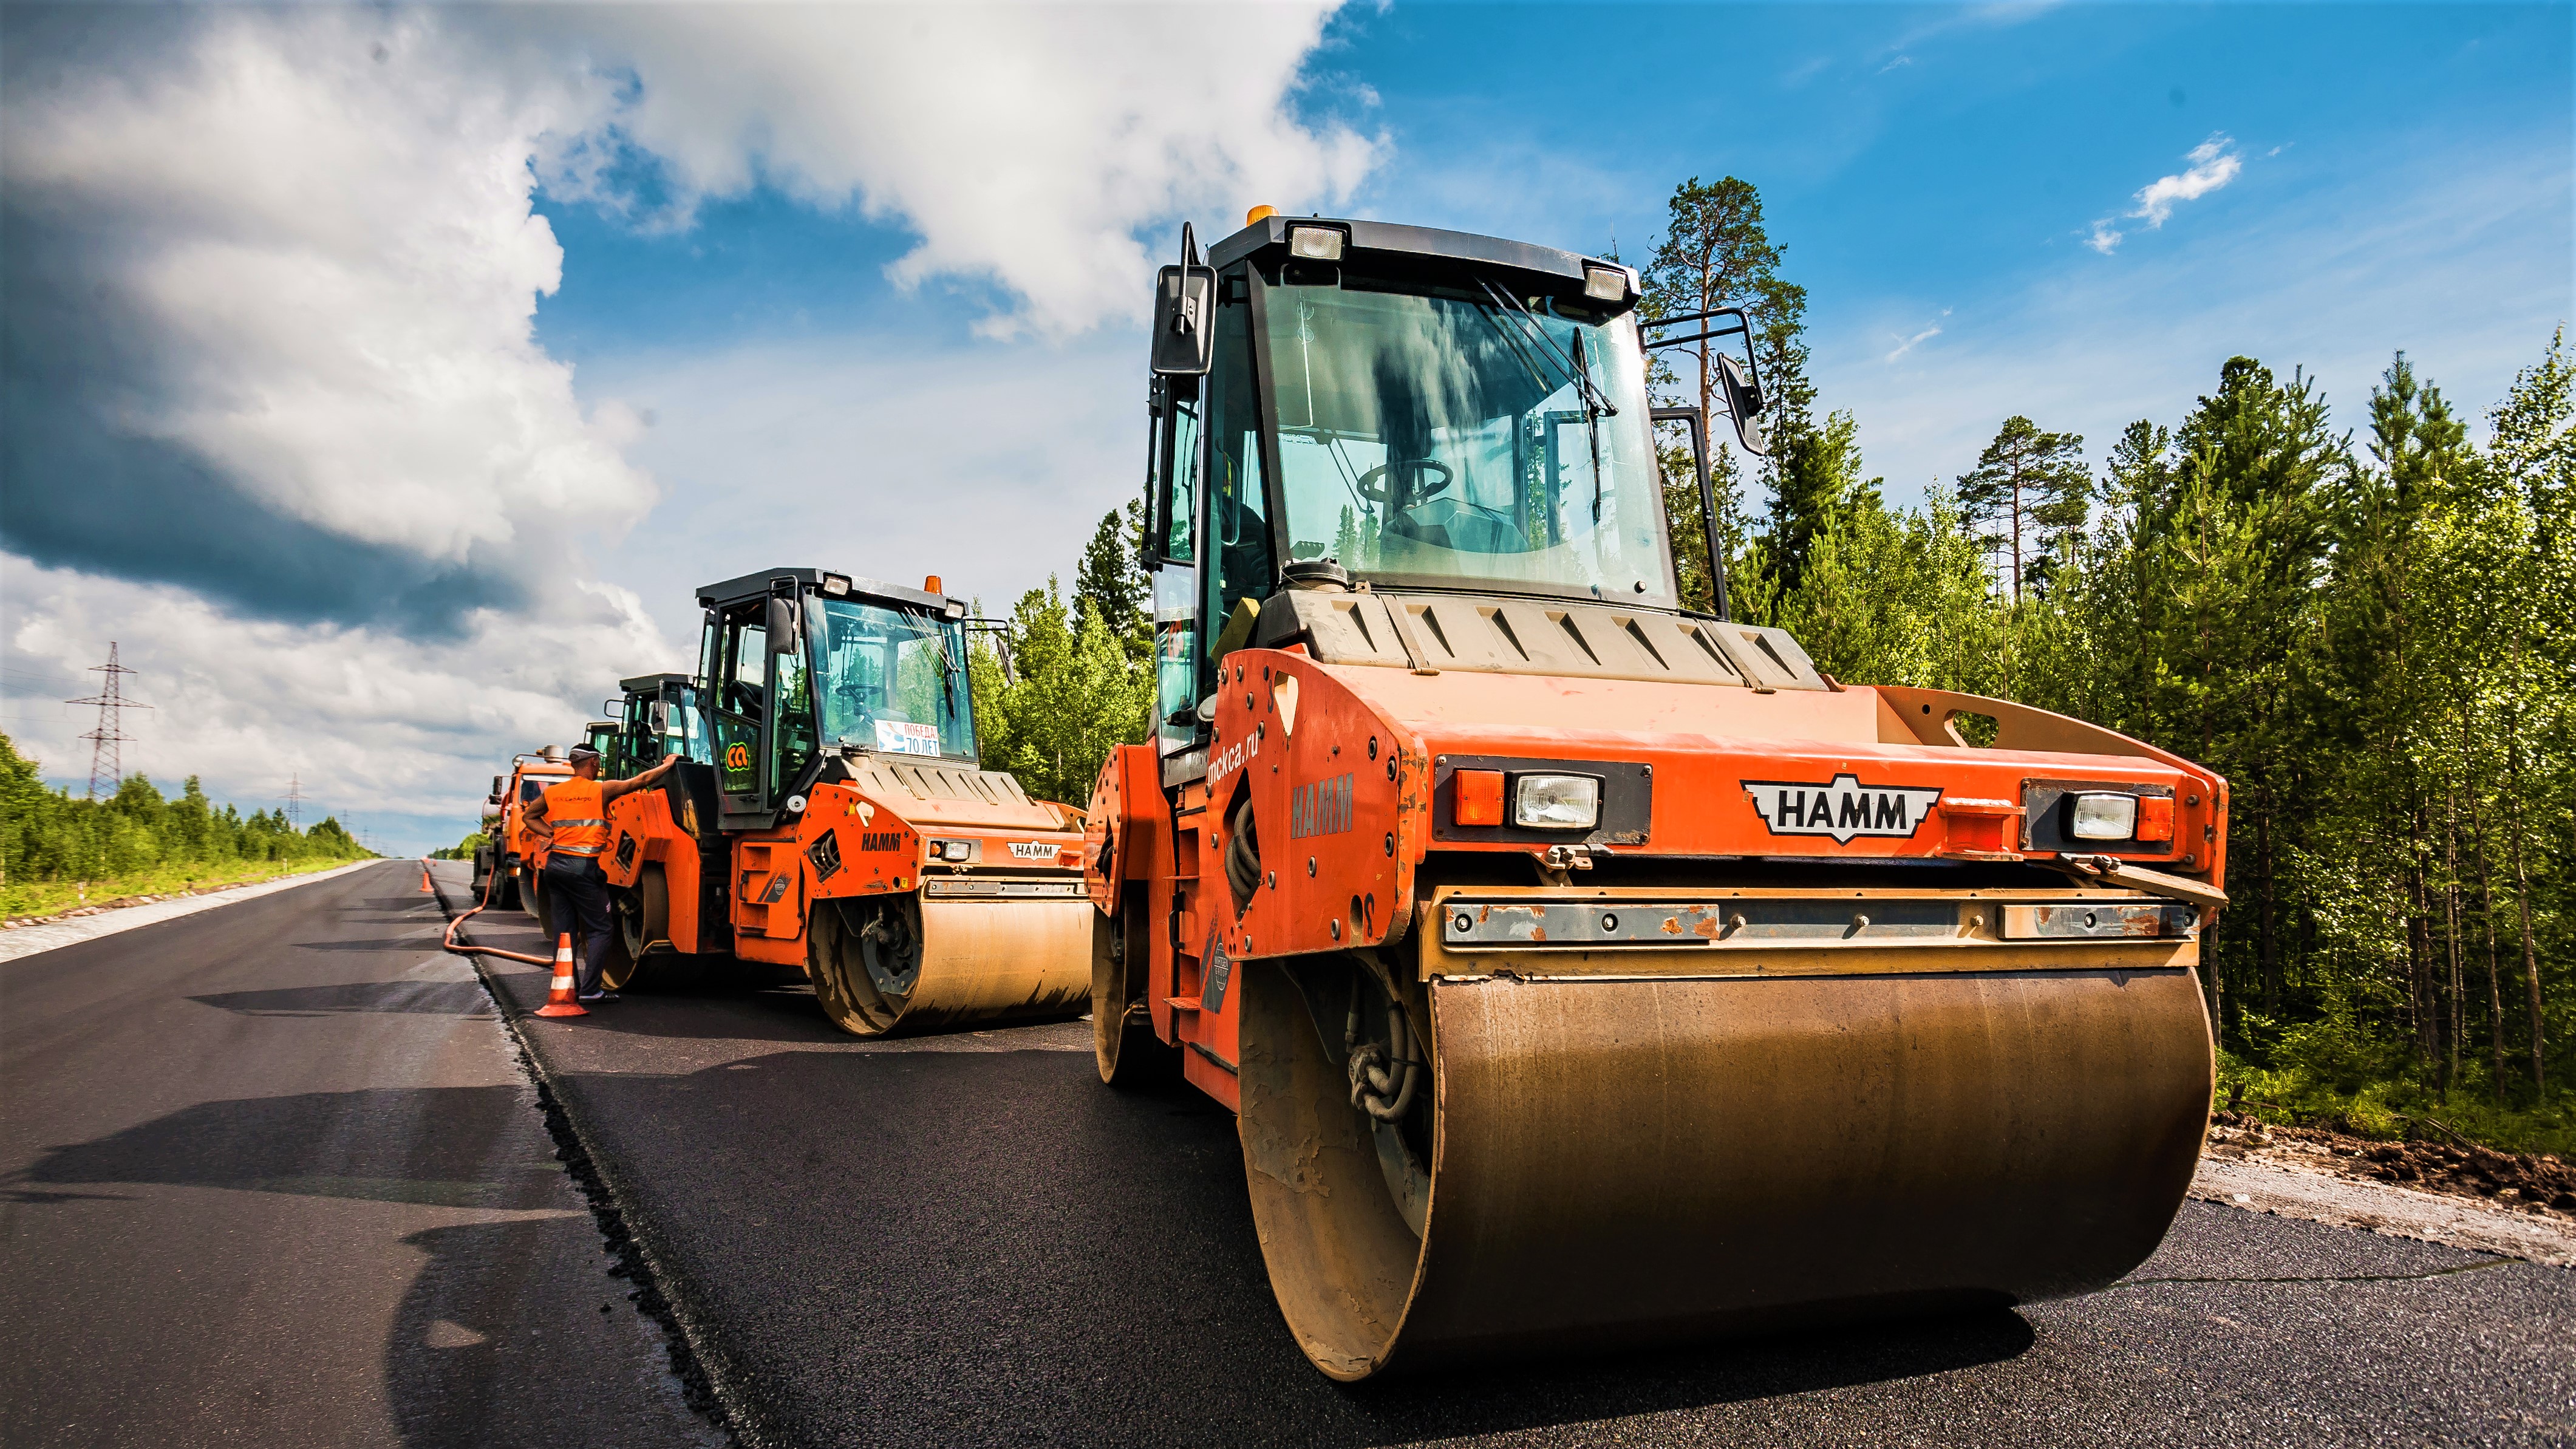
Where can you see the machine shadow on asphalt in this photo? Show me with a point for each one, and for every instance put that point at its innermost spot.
(324, 1144)
(462, 1363)
(434, 998)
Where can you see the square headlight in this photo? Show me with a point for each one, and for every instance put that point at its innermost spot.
(1607, 284)
(1556, 802)
(2104, 817)
(1315, 243)
(953, 850)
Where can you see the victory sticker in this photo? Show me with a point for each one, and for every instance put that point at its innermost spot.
(1842, 809)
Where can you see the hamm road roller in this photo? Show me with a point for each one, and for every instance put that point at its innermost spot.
(505, 870)
(1583, 971)
(844, 827)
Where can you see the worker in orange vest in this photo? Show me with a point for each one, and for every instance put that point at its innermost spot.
(570, 824)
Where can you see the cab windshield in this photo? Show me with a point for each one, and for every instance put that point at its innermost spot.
(1441, 436)
(891, 680)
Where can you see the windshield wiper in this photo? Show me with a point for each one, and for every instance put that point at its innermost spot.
(1573, 372)
(1577, 371)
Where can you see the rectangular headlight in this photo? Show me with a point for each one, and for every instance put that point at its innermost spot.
(1607, 284)
(1315, 243)
(2104, 817)
(1556, 802)
(835, 585)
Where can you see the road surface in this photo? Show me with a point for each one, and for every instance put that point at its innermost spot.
(275, 1177)
(967, 1239)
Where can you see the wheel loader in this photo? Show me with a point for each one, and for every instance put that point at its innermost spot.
(1586, 972)
(844, 828)
(505, 864)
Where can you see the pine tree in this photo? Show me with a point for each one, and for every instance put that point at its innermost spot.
(2027, 476)
(1110, 584)
(1717, 252)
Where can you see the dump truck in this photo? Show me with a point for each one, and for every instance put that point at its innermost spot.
(844, 828)
(1584, 971)
(505, 864)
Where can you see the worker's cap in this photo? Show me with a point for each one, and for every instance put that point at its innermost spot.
(583, 752)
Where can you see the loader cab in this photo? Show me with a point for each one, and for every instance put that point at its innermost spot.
(1350, 404)
(801, 670)
(657, 715)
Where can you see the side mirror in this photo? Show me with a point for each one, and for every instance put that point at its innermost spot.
(1185, 314)
(661, 718)
(781, 625)
(499, 784)
(1744, 404)
(612, 709)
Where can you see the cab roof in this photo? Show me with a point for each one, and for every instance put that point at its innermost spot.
(1418, 241)
(644, 682)
(753, 586)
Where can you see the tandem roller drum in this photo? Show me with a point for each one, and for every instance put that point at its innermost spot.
(888, 963)
(1602, 1163)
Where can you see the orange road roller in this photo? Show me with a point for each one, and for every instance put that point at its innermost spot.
(1584, 971)
(844, 828)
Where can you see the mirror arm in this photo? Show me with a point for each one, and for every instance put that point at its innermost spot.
(1707, 504)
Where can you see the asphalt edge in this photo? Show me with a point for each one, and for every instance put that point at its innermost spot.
(707, 1384)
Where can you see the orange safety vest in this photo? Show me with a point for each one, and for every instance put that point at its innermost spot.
(579, 816)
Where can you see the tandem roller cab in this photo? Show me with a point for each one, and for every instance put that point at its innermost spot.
(1585, 971)
(832, 822)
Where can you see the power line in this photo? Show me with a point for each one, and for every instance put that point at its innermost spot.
(106, 753)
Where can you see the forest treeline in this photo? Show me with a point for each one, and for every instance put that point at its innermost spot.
(57, 849)
(2367, 631)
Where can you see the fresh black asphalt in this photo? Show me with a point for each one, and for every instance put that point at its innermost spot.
(968, 1240)
(274, 1176)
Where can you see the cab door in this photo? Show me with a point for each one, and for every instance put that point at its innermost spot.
(735, 664)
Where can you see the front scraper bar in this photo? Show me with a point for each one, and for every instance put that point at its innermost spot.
(1470, 923)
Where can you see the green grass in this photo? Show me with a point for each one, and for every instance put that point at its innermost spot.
(2404, 1104)
(47, 898)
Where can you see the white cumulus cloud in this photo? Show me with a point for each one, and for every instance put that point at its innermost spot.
(295, 443)
(2214, 163)
(1024, 145)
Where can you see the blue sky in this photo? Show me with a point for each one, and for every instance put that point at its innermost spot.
(415, 363)
(1934, 173)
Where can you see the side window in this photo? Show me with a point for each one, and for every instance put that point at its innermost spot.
(1173, 474)
(1176, 656)
(1237, 543)
(791, 717)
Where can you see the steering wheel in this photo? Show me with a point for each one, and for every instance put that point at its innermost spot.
(1383, 486)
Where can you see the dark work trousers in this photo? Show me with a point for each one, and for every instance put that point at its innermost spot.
(577, 898)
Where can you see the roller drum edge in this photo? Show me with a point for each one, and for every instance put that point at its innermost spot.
(1625, 1162)
(981, 962)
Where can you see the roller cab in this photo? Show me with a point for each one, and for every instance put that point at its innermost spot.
(1584, 971)
(838, 826)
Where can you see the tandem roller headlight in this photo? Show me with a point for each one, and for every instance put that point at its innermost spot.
(1556, 802)
(2104, 817)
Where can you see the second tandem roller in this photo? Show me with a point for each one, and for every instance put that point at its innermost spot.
(844, 827)
(1584, 971)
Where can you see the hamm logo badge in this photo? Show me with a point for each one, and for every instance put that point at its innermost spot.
(1842, 809)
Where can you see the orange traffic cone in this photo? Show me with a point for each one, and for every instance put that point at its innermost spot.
(424, 878)
(560, 1000)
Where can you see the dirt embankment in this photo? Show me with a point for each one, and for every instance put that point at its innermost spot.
(2542, 1183)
